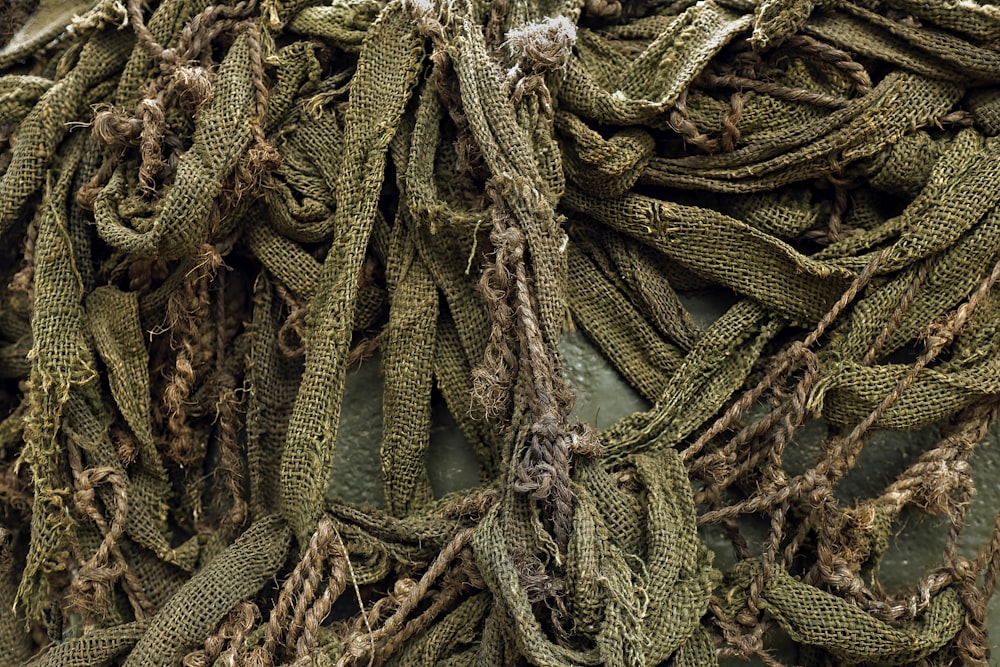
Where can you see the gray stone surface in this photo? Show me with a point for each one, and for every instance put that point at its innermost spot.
(357, 472)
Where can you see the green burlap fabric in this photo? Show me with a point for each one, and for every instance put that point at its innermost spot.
(209, 212)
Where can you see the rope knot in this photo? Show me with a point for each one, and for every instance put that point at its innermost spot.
(425, 15)
(114, 128)
(584, 442)
(543, 46)
(939, 335)
(193, 85)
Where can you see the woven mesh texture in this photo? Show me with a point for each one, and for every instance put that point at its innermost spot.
(210, 212)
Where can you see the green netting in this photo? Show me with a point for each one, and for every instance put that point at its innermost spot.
(209, 213)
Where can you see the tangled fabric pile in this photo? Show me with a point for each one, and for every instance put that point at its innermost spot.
(209, 212)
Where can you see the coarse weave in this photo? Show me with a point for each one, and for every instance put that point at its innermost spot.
(209, 212)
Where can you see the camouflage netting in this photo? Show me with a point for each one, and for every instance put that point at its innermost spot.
(209, 212)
